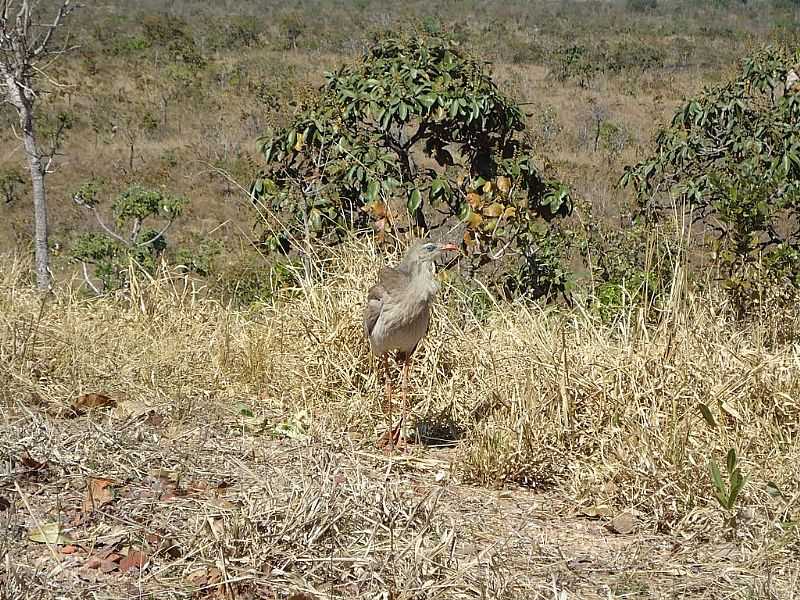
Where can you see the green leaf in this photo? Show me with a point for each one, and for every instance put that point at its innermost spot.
(372, 190)
(706, 412)
(428, 100)
(243, 409)
(773, 490)
(414, 201)
(437, 187)
(730, 460)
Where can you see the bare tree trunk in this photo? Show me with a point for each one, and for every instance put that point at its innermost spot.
(41, 251)
(25, 43)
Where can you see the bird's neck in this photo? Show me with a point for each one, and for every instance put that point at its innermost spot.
(419, 270)
(423, 279)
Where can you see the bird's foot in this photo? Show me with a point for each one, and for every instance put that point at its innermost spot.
(393, 440)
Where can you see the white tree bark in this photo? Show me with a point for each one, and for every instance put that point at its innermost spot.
(23, 44)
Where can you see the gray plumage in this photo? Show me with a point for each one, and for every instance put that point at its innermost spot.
(398, 313)
(398, 308)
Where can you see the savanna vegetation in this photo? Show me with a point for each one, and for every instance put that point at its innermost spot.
(608, 403)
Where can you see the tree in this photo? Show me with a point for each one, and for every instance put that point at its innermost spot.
(141, 219)
(732, 157)
(26, 43)
(416, 135)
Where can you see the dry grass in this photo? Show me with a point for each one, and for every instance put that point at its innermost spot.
(573, 419)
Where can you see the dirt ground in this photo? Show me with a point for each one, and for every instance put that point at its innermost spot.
(140, 502)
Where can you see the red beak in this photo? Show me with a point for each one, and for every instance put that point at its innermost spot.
(450, 247)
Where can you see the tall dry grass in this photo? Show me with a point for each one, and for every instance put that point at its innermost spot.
(606, 412)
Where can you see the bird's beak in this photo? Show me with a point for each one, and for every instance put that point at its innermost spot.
(452, 247)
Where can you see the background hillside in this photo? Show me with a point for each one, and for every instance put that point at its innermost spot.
(173, 95)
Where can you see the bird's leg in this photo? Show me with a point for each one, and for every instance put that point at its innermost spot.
(404, 397)
(388, 398)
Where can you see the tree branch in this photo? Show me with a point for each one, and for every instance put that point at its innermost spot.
(157, 236)
(64, 10)
(87, 280)
(77, 199)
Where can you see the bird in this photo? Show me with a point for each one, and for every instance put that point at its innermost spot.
(397, 315)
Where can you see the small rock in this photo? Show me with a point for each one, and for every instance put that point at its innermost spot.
(623, 523)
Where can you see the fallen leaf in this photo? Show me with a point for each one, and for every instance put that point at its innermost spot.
(134, 560)
(154, 419)
(31, 463)
(623, 523)
(69, 549)
(50, 533)
(108, 565)
(597, 511)
(98, 493)
(89, 402)
(92, 563)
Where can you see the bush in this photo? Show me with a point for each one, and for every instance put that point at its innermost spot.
(731, 157)
(419, 121)
(641, 5)
(141, 219)
(11, 180)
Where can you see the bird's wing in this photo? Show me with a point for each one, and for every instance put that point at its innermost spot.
(391, 282)
(372, 311)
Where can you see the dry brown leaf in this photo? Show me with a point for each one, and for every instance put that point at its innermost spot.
(89, 402)
(154, 419)
(108, 565)
(474, 220)
(134, 560)
(69, 549)
(31, 463)
(474, 200)
(99, 492)
(92, 563)
(503, 184)
(623, 523)
(493, 210)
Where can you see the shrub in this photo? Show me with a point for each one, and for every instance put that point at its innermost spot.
(141, 220)
(576, 62)
(418, 120)
(11, 179)
(731, 157)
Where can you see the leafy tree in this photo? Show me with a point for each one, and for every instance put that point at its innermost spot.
(141, 220)
(419, 122)
(732, 157)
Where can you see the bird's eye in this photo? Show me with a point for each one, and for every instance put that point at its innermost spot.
(430, 247)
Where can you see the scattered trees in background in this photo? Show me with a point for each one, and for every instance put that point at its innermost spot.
(141, 219)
